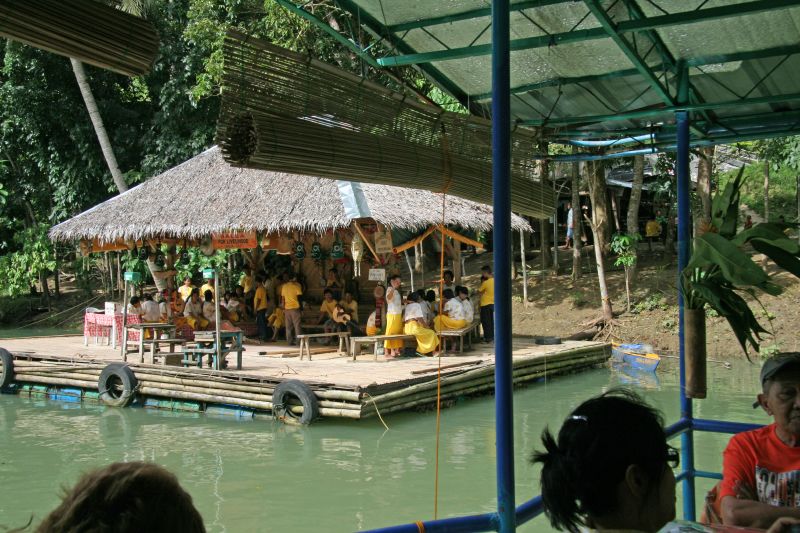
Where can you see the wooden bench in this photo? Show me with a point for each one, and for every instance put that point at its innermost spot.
(344, 341)
(466, 331)
(356, 342)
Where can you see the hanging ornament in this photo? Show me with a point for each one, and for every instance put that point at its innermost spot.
(185, 258)
(299, 250)
(357, 253)
(337, 250)
(144, 253)
(160, 260)
(316, 251)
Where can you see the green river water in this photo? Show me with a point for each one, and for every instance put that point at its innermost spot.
(258, 475)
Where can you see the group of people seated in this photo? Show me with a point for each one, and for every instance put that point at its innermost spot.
(610, 467)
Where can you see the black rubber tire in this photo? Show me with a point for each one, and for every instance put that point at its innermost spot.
(545, 340)
(111, 378)
(302, 392)
(7, 373)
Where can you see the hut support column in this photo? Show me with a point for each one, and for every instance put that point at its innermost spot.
(524, 268)
(457, 270)
(410, 268)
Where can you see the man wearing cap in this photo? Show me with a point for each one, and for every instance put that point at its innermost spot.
(761, 468)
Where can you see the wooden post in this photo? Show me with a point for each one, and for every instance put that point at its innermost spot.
(457, 262)
(125, 322)
(410, 268)
(216, 319)
(524, 268)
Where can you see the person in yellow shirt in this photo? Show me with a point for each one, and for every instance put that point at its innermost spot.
(276, 321)
(208, 286)
(486, 290)
(291, 298)
(260, 308)
(185, 290)
(350, 306)
(326, 310)
(246, 280)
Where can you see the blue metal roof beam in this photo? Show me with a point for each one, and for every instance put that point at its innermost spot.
(542, 41)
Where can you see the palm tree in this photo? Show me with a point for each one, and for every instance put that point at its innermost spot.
(137, 8)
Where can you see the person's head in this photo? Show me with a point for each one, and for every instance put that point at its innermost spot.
(135, 301)
(228, 295)
(462, 292)
(486, 271)
(749, 217)
(609, 465)
(208, 296)
(187, 281)
(291, 276)
(780, 396)
(195, 294)
(348, 297)
(569, 205)
(448, 294)
(328, 295)
(126, 498)
(165, 294)
(332, 273)
(239, 290)
(413, 296)
(448, 276)
(395, 281)
(247, 269)
(430, 296)
(147, 297)
(260, 279)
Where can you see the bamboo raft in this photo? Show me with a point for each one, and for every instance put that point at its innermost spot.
(343, 389)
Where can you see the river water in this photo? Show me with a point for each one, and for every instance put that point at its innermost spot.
(258, 475)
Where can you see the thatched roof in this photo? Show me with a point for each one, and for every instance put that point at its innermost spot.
(206, 195)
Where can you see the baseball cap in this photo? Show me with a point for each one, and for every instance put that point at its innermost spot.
(773, 365)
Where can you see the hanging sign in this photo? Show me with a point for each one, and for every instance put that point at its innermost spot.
(231, 240)
(383, 241)
(377, 274)
(134, 277)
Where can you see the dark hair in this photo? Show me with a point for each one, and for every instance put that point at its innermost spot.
(148, 297)
(462, 290)
(448, 293)
(414, 296)
(394, 277)
(486, 268)
(260, 278)
(430, 296)
(292, 276)
(126, 498)
(208, 295)
(327, 291)
(597, 443)
(194, 291)
(135, 300)
(446, 272)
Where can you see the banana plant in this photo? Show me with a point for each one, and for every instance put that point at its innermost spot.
(720, 271)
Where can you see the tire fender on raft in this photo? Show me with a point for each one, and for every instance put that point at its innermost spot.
(7, 372)
(117, 385)
(297, 389)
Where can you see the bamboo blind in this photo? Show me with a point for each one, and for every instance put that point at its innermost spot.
(86, 30)
(285, 112)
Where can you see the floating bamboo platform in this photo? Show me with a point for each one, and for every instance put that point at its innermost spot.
(63, 366)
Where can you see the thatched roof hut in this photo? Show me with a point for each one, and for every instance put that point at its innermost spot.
(206, 195)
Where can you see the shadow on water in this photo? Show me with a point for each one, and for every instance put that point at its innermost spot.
(259, 475)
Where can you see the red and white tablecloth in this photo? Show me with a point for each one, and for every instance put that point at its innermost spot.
(100, 324)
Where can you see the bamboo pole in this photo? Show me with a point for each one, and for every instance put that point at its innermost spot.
(524, 268)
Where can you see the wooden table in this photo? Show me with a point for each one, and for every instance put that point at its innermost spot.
(230, 341)
(344, 341)
(156, 330)
(356, 342)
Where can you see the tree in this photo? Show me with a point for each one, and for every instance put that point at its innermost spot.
(624, 245)
(705, 168)
(600, 224)
(576, 221)
(632, 222)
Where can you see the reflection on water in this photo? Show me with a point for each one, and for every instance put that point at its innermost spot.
(259, 475)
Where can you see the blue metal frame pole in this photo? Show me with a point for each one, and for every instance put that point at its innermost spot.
(687, 438)
(501, 194)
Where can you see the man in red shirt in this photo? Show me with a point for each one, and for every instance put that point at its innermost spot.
(761, 468)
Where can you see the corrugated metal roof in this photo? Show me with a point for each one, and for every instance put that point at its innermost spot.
(569, 72)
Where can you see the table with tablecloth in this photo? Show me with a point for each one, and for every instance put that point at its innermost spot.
(108, 326)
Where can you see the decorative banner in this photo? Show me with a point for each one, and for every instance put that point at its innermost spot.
(337, 251)
(383, 241)
(231, 240)
(377, 274)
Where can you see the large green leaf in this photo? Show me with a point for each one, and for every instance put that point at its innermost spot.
(725, 207)
(786, 261)
(736, 266)
(773, 233)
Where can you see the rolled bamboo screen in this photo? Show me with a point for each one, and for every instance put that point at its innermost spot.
(285, 112)
(90, 31)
